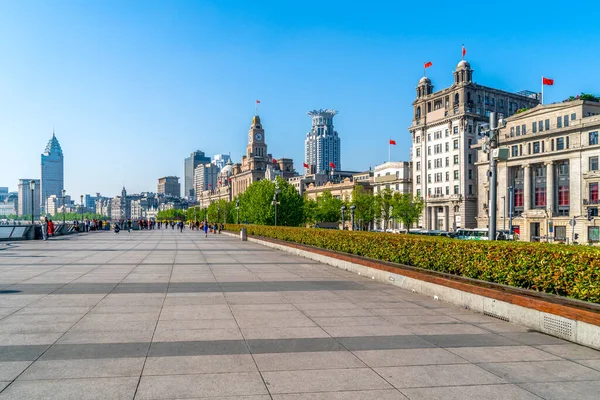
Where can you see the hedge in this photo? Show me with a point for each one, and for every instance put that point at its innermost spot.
(572, 271)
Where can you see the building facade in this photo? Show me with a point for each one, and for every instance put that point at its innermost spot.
(220, 160)
(196, 158)
(52, 182)
(322, 147)
(205, 177)
(25, 199)
(169, 186)
(553, 169)
(446, 124)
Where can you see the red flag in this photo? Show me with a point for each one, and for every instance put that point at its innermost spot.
(428, 64)
(392, 142)
(547, 81)
(257, 101)
(274, 161)
(332, 165)
(229, 179)
(219, 182)
(306, 165)
(210, 184)
(464, 51)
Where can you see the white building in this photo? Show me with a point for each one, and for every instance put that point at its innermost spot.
(220, 160)
(322, 143)
(206, 177)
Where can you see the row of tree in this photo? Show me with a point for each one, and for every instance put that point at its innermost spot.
(256, 206)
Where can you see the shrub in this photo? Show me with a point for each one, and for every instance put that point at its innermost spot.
(570, 271)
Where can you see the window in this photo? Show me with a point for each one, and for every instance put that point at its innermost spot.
(563, 195)
(518, 131)
(447, 190)
(418, 178)
(560, 233)
(543, 146)
(456, 189)
(536, 147)
(418, 165)
(547, 123)
(429, 178)
(593, 234)
(515, 151)
(428, 164)
(519, 197)
(594, 163)
(528, 148)
(501, 103)
(456, 174)
(470, 159)
(540, 126)
(447, 161)
(455, 144)
(429, 150)
(487, 100)
(470, 128)
(470, 189)
(447, 133)
(447, 146)
(593, 193)
(479, 98)
(523, 129)
(566, 120)
(560, 144)
(551, 144)
(492, 101)
(534, 127)
(470, 174)
(456, 161)
(447, 176)
(512, 131)
(455, 129)
(429, 137)
(593, 138)
(540, 197)
(573, 116)
(520, 149)
(559, 122)
(419, 193)
(418, 152)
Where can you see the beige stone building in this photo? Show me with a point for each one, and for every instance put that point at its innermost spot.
(169, 185)
(553, 170)
(445, 125)
(343, 188)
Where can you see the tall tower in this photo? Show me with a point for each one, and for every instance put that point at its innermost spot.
(256, 139)
(52, 182)
(322, 144)
(196, 158)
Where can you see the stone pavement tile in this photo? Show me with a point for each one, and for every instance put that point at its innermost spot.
(9, 370)
(22, 300)
(190, 299)
(184, 324)
(269, 314)
(382, 394)
(444, 329)
(504, 327)
(421, 319)
(417, 311)
(533, 338)
(31, 310)
(24, 339)
(236, 308)
(541, 371)
(255, 298)
(100, 309)
(491, 354)
(402, 357)
(351, 321)
(330, 380)
(149, 299)
(261, 346)
(396, 304)
(384, 342)
(284, 333)
(366, 330)
(119, 317)
(474, 318)
(95, 351)
(565, 390)
(85, 337)
(39, 327)
(275, 323)
(172, 335)
(595, 364)
(571, 351)
(213, 347)
(3, 384)
(97, 326)
(485, 340)
(201, 385)
(4, 311)
(183, 365)
(351, 312)
(327, 306)
(69, 300)
(212, 311)
(308, 360)
(437, 375)
(99, 368)
(477, 392)
(72, 389)
(21, 353)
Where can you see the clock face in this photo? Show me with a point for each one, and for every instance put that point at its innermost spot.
(258, 136)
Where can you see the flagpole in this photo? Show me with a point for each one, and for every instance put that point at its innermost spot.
(389, 149)
(542, 102)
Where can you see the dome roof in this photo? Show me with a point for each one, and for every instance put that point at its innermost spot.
(463, 64)
(424, 80)
(227, 170)
(255, 120)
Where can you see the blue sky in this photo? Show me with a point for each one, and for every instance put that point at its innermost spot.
(133, 87)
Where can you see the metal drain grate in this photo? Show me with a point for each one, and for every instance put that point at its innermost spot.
(497, 316)
(559, 327)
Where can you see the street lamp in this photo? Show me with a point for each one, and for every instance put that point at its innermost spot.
(64, 192)
(81, 197)
(218, 211)
(275, 202)
(504, 210)
(391, 217)
(32, 186)
(237, 206)
(342, 210)
(352, 208)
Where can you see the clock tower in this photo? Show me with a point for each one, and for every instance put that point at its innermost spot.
(256, 140)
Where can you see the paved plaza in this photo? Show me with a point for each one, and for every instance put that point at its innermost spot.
(168, 315)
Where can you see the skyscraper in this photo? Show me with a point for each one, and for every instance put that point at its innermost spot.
(25, 198)
(322, 144)
(52, 182)
(190, 164)
(220, 160)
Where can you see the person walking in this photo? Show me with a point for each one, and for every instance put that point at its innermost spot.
(205, 229)
(129, 225)
(44, 228)
(50, 228)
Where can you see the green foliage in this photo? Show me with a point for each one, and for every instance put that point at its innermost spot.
(407, 208)
(171, 215)
(385, 204)
(366, 207)
(570, 271)
(256, 204)
(584, 96)
(520, 110)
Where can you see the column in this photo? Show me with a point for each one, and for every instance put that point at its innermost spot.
(435, 219)
(447, 219)
(526, 187)
(550, 188)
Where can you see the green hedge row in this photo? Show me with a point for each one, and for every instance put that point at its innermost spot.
(572, 271)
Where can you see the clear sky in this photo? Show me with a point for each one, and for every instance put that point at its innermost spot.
(133, 87)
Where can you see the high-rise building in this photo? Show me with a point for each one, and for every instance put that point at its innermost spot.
(322, 144)
(220, 160)
(25, 199)
(190, 164)
(52, 182)
(445, 125)
(206, 177)
(169, 185)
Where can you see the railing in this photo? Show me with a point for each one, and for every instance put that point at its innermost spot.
(588, 202)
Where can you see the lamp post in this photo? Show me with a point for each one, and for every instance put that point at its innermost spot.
(511, 206)
(32, 187)
(275, 202)
(81, 197)
(64, 192)
(342, 210)
(218, 211)
(504, 210)
(392, 218)
(352, 208)
(237, 207)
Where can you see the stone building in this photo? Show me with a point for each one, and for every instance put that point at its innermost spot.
(341, 189)
(445, 125)
(553, 170)
(169, 186)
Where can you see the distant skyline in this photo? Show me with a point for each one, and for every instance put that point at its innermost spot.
(132, 88)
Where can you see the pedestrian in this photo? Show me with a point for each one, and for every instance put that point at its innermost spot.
(221, 227)
(50, 228)
(44, 228)
(117, 228)
(129, 225)
(205, 229)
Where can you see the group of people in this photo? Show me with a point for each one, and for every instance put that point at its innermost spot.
(47, 228)
(180, 225)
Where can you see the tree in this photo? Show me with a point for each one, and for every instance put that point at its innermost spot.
(407, 208)
(385, 204)
(256, 204)
(366, 207)
(328, 208)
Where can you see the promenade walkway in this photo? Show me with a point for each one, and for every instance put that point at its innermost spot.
(163, 315)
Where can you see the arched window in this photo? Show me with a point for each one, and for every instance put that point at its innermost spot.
(419, 112)
(456, 97)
